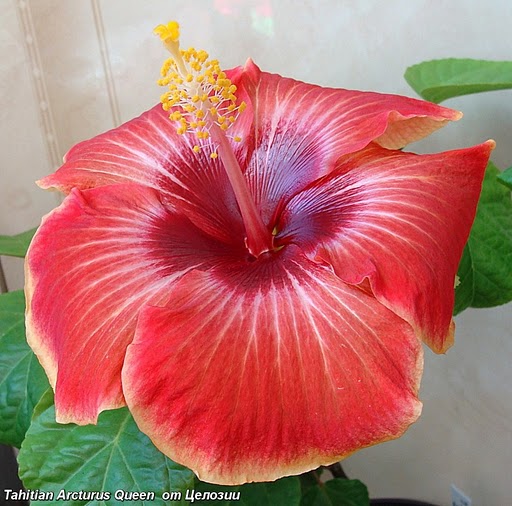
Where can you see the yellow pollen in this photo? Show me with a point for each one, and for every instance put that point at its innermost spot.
(199, 95)
(214, 155)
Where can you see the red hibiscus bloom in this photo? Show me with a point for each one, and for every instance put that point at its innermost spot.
(260, 323)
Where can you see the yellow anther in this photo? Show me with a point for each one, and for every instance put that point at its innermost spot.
(237, 139)
(202, 56)
(213, 155)
(200, 96)
(170, 31)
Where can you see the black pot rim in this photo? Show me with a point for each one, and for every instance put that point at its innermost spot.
(399, 502)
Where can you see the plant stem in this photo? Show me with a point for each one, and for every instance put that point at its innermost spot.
(3, 281)
(337, 471)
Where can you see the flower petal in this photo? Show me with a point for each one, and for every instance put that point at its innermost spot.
(300, 130)
(93, 263)
(148, 151)
(401, 220)
(260, 370)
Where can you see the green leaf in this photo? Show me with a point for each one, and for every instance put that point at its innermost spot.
(16, 245)
(285, 491)
(438, 80)
(506, 177)
(337, 492)
(110, 456)
(485, 270)
(22, 379)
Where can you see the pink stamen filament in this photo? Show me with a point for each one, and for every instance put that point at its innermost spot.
(259, 239)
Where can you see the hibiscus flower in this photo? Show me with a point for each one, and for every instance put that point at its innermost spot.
(254, 289)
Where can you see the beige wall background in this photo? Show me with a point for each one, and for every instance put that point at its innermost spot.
(70, 69)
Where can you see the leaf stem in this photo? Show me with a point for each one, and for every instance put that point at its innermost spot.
(337, 471)
(3, 281)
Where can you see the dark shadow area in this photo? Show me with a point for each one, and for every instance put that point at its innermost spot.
(9, 476)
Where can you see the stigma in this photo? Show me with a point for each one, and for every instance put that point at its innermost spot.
(199, 95)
